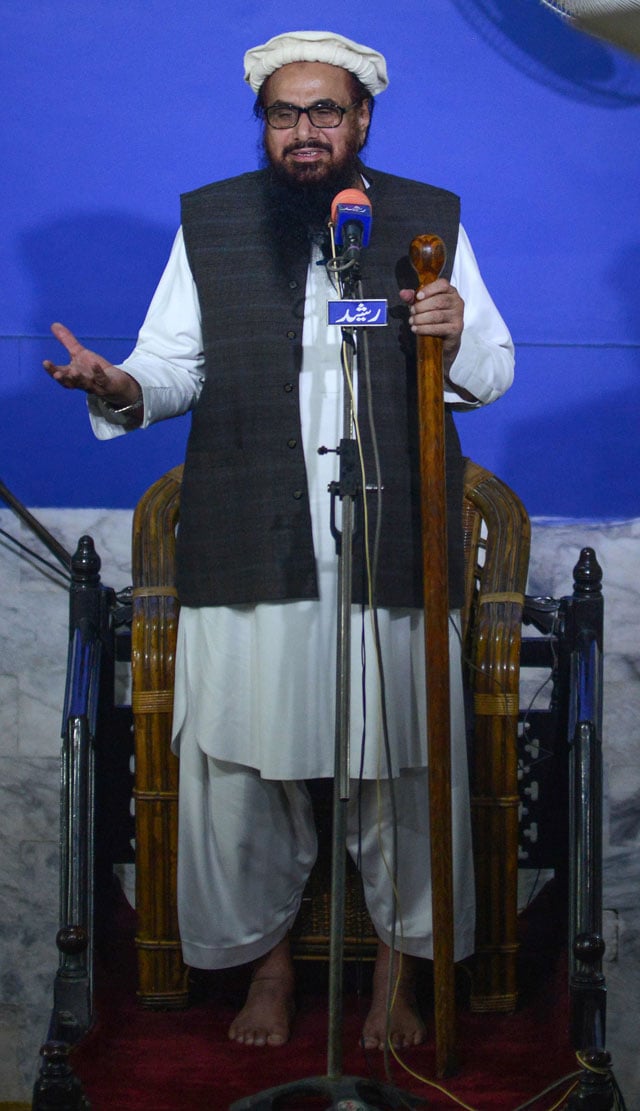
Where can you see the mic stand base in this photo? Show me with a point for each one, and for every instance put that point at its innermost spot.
(346, 1093)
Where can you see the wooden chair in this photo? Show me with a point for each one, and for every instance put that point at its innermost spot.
(496, 538)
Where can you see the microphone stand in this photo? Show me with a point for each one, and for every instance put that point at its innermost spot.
(346, 1093)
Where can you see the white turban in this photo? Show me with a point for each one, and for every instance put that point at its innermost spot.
(316, 46)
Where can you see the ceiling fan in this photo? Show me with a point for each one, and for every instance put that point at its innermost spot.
(615, 21)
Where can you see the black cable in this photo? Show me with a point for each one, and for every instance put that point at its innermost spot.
(58, 570)
(365, 369)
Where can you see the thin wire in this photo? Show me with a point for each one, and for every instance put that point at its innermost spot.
(619, 1103)
(430, 1083)
(58, 570)
(391, 867)
(502, 687)
(371, 571)
(552, 641)
(572, 1076)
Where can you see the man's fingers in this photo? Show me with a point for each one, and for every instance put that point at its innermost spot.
(92, 379)
(59, 374)
(433, 289)
(67, 339)
(407, 295)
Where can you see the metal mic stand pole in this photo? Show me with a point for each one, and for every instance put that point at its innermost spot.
(346, 1093)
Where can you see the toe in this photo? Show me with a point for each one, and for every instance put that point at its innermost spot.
(276, 1039)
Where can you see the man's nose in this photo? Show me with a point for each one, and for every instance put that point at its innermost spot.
(304, 128)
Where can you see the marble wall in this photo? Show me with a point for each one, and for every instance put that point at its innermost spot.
(33, 638)
(33, 658)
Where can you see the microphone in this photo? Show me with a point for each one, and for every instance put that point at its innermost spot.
(351, 219)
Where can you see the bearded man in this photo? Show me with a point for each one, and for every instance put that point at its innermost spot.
(236, 332)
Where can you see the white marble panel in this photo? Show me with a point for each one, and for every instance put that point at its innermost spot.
(12, 1083)
(29, 885)
(621, 891)
(8, 714)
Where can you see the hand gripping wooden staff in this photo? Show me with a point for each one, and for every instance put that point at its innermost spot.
(427, 255)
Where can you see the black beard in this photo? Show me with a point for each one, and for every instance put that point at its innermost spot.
(299, 209)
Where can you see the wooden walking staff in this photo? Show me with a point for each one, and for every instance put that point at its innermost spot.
(427, 257)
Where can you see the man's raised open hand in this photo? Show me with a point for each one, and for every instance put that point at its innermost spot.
(90, 372)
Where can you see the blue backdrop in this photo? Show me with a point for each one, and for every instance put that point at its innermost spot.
(112, 110)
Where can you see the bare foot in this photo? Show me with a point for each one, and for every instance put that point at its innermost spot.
(406, 1027)
(267, 1014)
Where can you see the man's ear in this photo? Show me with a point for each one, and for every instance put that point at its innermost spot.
(364, 121)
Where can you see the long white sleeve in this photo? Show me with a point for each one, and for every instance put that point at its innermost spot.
(167, 360)
(484, 364)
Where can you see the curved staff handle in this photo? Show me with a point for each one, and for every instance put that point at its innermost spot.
(427, 254)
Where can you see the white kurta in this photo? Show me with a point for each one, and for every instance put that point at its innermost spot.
(255, 685)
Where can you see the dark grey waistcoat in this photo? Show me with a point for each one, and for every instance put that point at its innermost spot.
(245, 529)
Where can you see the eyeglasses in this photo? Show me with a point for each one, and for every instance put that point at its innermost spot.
(320, 115)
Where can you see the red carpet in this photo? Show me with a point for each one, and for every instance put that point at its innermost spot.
(139, 1060)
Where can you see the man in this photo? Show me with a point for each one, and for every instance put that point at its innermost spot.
(236, 331)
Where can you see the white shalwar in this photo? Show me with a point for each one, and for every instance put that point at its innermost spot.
(254, 712)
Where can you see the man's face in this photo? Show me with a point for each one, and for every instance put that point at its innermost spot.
(304, 153)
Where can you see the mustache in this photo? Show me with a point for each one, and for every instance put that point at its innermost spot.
(306, 144)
